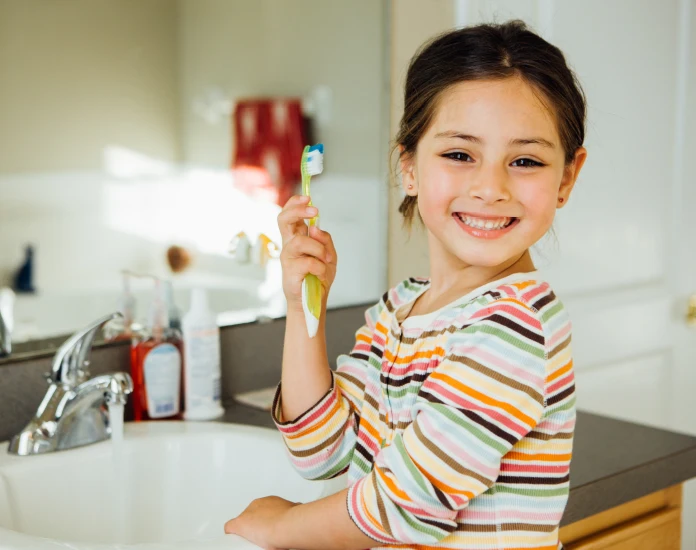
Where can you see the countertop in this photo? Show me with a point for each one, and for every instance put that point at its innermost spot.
(613, 461)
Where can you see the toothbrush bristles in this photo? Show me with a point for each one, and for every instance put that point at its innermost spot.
(315, 163)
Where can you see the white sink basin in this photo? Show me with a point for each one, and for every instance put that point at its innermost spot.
(175, 486)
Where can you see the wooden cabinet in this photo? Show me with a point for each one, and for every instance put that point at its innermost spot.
(649, 523)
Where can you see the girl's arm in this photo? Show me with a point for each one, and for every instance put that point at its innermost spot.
(321, 525)
(484, 396)
(275, 523)
(306, 376)
(322, 439)
(316, 410)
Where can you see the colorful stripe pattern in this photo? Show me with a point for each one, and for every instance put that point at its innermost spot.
(455, 428)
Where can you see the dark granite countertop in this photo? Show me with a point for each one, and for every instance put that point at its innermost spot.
(614, 461)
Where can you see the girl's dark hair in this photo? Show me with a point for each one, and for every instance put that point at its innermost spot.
(489, 52)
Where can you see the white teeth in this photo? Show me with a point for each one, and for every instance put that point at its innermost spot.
(484, 224)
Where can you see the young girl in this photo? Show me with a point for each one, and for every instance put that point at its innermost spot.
(454, 413)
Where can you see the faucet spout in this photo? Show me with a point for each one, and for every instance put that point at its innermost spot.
(110, 388)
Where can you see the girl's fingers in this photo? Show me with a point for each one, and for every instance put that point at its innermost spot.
(296, 213)
(302, 245)
(291, 220)
(311, 265)
(325, 239)
(305, 250)
(295, 200)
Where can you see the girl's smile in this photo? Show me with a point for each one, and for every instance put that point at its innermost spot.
(485, 227)
(488, 173)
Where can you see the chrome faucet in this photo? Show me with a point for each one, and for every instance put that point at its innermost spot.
(74, 411)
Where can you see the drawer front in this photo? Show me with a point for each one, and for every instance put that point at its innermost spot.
(657, 530)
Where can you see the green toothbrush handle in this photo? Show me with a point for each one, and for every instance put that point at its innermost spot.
(314, 291)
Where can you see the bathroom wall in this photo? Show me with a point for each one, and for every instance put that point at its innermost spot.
(413, 22)
(107, 87)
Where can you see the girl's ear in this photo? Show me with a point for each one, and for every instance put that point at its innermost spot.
(570, 176)
(407, 163)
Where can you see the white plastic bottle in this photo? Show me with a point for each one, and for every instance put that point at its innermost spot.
(202, 360)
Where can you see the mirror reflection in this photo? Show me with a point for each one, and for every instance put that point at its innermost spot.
(157, 140)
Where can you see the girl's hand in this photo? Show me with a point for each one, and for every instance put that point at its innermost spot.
(258, 522)
(304, 252)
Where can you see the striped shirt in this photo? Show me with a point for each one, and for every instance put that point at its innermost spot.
(455, 428)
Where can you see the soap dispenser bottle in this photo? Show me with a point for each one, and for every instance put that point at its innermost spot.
(157, 366)
(202, 357)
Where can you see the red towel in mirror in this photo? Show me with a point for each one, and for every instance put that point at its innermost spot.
(268, 134)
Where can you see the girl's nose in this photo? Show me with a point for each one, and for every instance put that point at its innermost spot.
(490, 186)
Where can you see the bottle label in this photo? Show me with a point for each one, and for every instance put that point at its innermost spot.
(162, 367)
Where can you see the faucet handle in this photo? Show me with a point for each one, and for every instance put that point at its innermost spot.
(70, 363)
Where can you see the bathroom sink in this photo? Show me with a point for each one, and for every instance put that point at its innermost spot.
(171, 485)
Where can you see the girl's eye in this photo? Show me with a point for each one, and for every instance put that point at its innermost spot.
(523, 162)
(458, 156)
(529, 163)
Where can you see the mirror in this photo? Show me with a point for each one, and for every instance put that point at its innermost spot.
(138, 139)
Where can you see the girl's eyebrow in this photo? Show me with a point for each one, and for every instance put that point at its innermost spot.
(513, 142)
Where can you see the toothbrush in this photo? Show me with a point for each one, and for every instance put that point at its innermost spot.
(312, 164)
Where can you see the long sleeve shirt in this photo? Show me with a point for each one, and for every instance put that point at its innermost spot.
(456, 427)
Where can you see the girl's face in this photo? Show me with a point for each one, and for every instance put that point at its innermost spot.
(489, 172)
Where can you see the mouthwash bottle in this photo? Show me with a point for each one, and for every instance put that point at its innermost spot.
(157, 366)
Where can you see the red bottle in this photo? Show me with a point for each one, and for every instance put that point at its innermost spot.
(157, 367)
